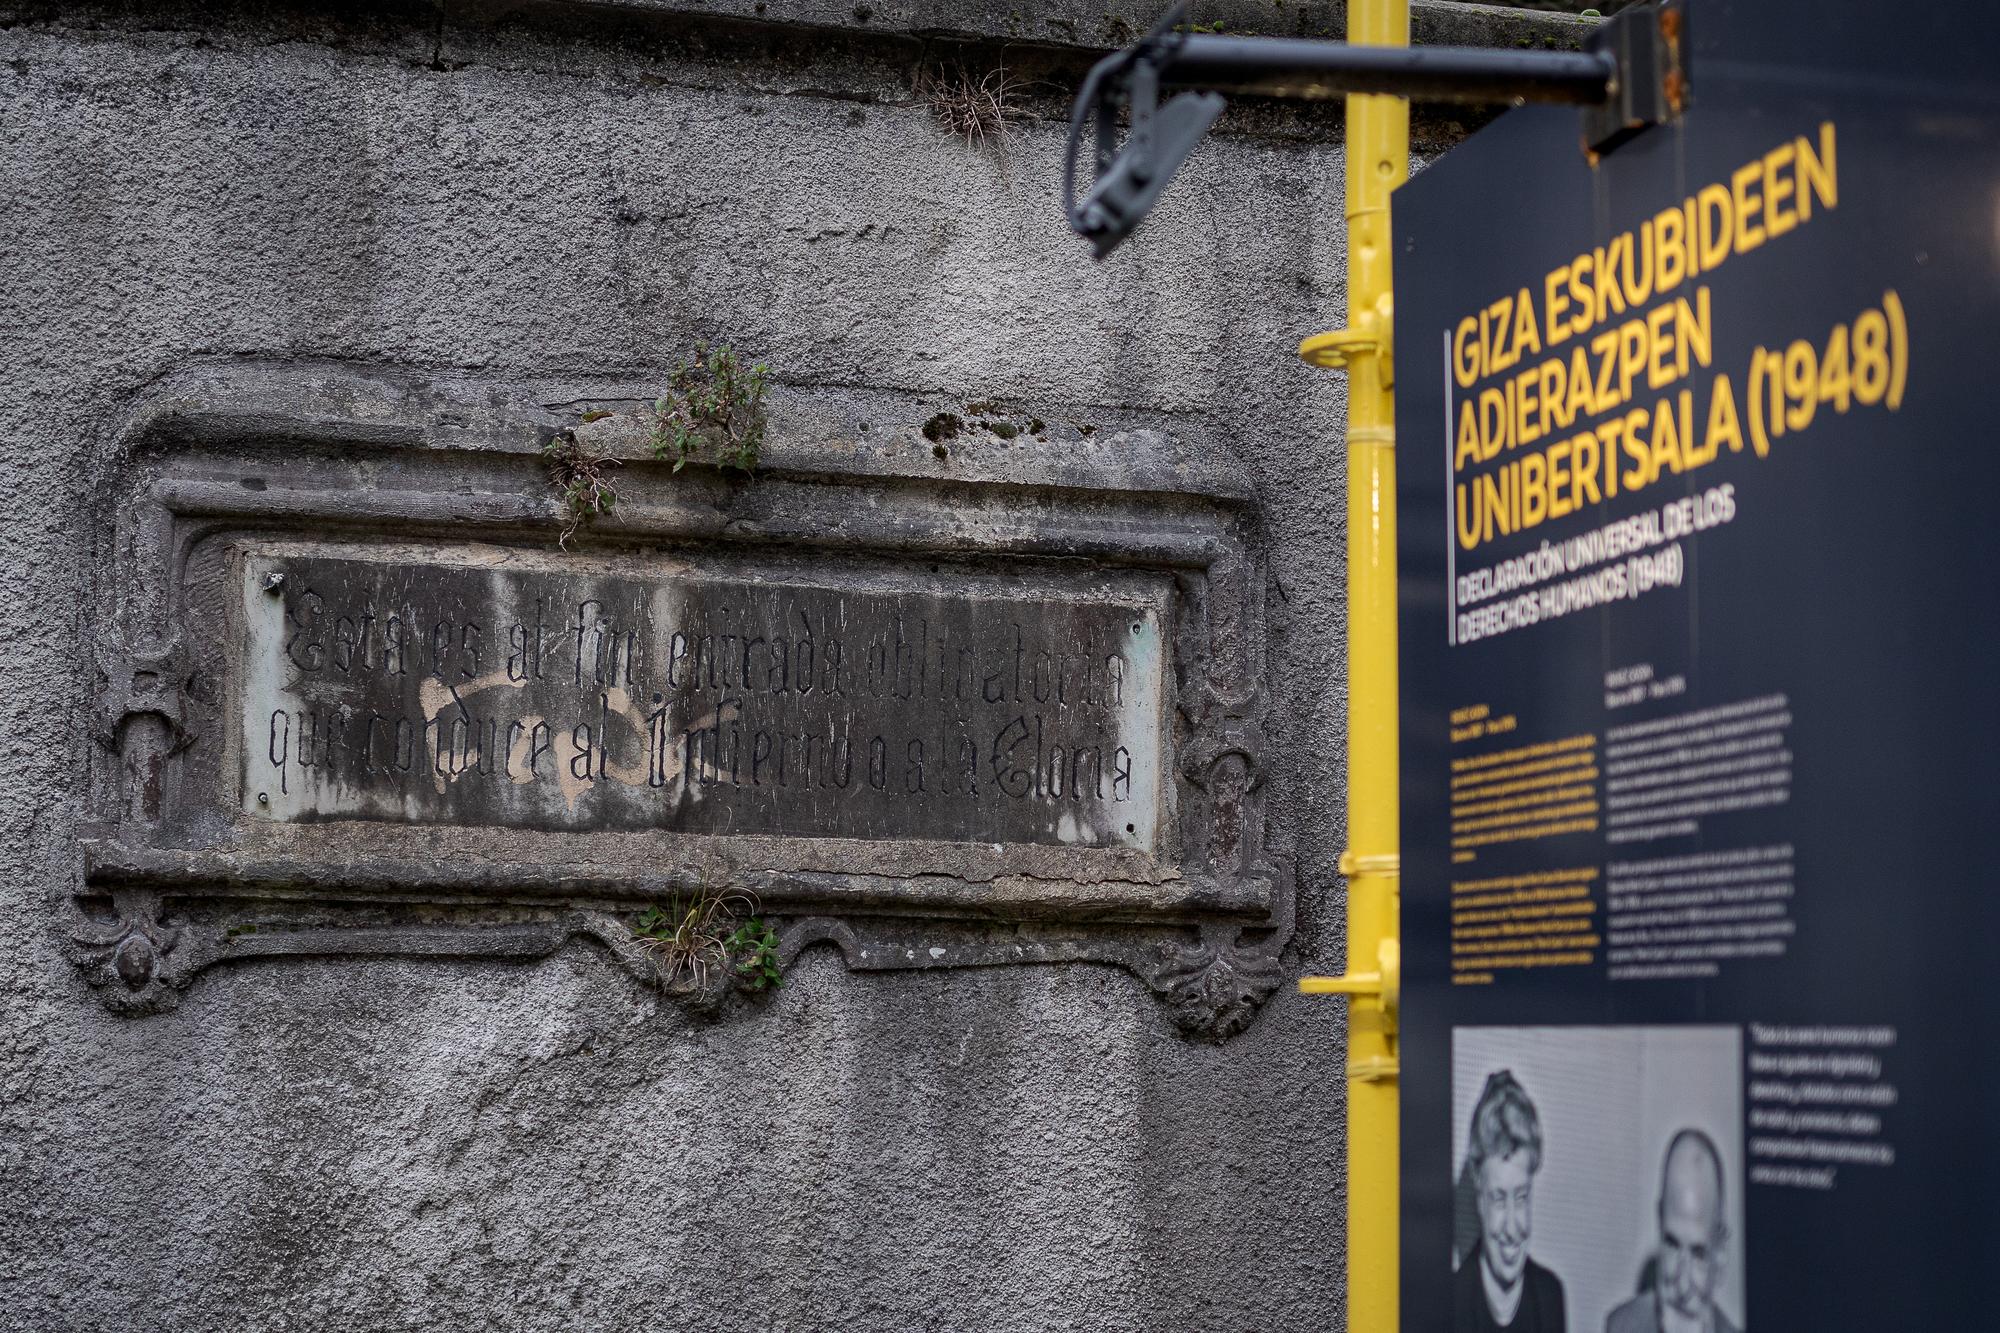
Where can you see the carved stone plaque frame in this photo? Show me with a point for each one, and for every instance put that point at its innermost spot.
(240, 500)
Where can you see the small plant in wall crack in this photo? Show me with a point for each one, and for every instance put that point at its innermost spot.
(706, 936)
(713, 410)
(754, 946)
(577, 475)
(976, 110)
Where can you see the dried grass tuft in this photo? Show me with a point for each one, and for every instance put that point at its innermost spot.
(976, 110)
(689, 938)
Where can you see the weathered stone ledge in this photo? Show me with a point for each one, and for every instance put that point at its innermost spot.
(1047, 44)
(1077, 25)
(1094, 23)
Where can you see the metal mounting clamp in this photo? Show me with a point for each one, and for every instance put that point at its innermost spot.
(1384, 985)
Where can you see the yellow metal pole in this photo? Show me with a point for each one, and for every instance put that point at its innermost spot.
(1378, 160)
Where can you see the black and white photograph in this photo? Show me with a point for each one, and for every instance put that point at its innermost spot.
(1598, 1180)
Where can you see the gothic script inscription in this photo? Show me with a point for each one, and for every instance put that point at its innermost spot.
(478, 685)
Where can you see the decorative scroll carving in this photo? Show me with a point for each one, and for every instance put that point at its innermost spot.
(1214, 988)
(133, 958)
(149, 683)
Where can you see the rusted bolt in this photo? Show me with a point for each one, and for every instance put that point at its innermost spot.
(274, 581)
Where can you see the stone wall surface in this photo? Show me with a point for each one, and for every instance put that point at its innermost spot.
(571, 195)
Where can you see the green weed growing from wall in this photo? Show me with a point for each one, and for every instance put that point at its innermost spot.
(713, 410)
(707, 935)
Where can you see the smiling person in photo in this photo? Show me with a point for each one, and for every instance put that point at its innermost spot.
(1498, 1286)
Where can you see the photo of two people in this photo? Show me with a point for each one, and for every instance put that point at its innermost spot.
(1599, 1180)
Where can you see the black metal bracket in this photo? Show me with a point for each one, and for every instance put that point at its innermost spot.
(1648, 46)
(1129, 181)
(1633, 74)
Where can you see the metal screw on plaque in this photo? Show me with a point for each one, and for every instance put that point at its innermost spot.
(274, 581)
(263, 798)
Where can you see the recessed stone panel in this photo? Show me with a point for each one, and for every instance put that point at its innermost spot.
(486, 685)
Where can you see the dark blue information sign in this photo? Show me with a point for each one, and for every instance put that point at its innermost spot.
(1699, 456)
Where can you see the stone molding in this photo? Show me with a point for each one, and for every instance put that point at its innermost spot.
(177, 880)
(1092, 24)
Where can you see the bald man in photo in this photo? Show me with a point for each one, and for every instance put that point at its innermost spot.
(1690, 1257)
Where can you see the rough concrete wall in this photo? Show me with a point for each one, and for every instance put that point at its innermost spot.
(582, 192)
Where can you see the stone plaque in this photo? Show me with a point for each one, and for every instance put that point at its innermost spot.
(358, 694)
(486, 685)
